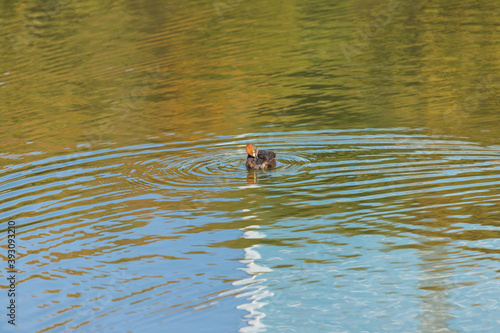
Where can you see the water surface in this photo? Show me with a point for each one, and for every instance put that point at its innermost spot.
(123, 166)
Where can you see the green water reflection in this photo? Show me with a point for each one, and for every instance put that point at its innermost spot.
(103, 72)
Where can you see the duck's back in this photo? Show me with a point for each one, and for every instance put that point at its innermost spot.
(266, 155)
(259, 159)
(266, 159)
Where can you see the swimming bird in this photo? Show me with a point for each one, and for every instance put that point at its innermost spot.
(260, 159)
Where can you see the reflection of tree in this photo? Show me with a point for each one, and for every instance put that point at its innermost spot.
(230, 77)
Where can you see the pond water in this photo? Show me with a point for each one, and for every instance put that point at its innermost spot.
(123, 166)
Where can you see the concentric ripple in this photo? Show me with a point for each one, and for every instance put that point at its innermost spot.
(325, 165)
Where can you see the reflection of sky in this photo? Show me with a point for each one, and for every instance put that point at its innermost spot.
(378, 245)
(172, 274)
(371, 282)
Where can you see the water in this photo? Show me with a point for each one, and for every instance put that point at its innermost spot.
(123, 166)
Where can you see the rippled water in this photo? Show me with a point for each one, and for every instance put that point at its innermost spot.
(123, 166)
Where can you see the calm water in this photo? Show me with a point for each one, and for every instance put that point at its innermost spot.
(122, 165)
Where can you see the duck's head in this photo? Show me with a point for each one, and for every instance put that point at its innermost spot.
(252, 150)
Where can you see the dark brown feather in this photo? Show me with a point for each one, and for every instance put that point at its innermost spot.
(265, 159)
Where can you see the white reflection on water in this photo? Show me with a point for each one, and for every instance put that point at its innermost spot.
(254, 288)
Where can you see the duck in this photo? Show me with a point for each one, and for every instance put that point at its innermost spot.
(259, 159)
